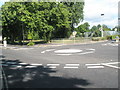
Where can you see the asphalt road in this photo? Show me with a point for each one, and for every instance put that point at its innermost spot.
(68, 66)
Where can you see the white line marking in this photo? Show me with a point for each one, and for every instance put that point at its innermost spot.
(111, 63)
(92, 64)
(70, 67)
(51, 67)
(30, 66)
(43, 52)
(19, 66)
(36, 64)
(86, 52)
(23, 63)
(64, 54)
(53, 64)
(49, 50)
(95, 67)
(91, 49)
(72, 64)
(111, 66)
(68, 51)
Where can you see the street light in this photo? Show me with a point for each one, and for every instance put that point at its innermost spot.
(101, 26)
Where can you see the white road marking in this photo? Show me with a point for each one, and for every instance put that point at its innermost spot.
(72, 64)
(92, 64)
(52, 67)
(91, 49)
(47, 50)
(86, 53)
(43, 52)
(50, 50)
(30, 67)
(95, 67)
(36, 64)
(112, 66)
(18, 66)
(70, 67)
(64, 54)
(110, 44)
(111, 63)
(68, 51)
(23, 63)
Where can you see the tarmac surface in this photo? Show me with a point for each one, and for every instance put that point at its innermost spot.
(92, 65)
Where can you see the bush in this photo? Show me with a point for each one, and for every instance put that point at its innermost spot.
(111, 37)
(98, 38)
(95, 39)
(31, 43)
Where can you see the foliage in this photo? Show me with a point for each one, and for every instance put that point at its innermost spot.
(31, 43)
(82, 28)
(39, 20)
(111, 37)
(98, 38)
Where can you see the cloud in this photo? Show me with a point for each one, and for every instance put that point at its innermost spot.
(94, 8)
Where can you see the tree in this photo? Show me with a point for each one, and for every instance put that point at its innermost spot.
(105, 28)
(83, 28)
(77, 12)
(45, 20)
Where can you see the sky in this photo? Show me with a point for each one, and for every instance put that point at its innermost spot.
(93, 10)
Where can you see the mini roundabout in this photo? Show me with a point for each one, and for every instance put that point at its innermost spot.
(68, 52)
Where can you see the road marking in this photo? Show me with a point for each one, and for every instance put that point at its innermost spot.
(47, 50)
(92, 64)
(19, 66)
(86, 53)
(111, 63)
(95, 67)
(64, 54)
(91, 49)
(68, 51)
(52, 67)
(43, 52)
(112, 66)
(23, 63)
(70, 67)
(30, 67)
(36, 64)
(72, 64)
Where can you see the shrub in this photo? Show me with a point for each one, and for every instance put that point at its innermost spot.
(95, 39)
(98, 38)
(31, 43)
(111, 37)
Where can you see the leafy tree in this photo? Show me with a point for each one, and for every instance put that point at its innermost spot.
(83, 28)
(105, 28)
(34, 20)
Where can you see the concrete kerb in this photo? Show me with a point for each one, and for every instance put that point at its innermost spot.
(48, 45)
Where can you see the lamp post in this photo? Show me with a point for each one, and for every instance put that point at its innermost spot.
(101, 26)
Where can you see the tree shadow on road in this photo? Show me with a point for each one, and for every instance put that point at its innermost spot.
(18, 76)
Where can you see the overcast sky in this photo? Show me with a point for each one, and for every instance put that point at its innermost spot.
(93, 10)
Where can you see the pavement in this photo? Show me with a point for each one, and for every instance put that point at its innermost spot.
(84, 66)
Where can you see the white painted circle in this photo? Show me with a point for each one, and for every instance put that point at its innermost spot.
(68, 51)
